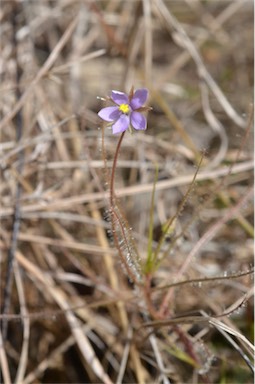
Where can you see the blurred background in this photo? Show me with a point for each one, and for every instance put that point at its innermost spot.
(69, 312)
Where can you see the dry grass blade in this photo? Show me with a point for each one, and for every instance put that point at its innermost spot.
(42, 72)
(4, 362)
(75, 326)
(26, 326)
(89, 301)
(213, 230)
(134, 190)
(184, 40)
(54, 355)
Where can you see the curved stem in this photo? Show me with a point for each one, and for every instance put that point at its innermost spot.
(114, 168)
(116, 217)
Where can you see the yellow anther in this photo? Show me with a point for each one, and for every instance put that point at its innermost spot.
(124, 108)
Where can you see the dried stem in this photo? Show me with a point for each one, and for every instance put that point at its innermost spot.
(204, 239)
(18, 121)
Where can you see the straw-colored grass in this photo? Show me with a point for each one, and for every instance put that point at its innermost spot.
(69, 311)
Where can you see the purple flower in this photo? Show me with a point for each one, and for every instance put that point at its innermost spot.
(126, 112)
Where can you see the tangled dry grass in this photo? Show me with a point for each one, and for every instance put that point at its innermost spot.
(69, 311)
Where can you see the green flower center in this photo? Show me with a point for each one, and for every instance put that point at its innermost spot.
(124, 108)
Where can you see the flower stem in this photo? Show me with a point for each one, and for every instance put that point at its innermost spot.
(122, 229)
(112, 193)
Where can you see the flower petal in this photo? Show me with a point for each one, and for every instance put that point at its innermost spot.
(109, 113)
(138, 121)
(119, 97)
(139, 98)
(121, 124)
